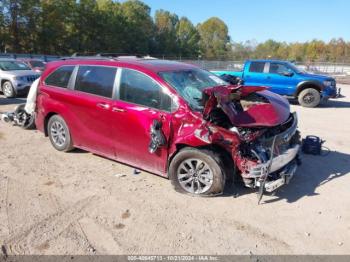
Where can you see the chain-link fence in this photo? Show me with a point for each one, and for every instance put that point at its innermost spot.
(314, 67)
(338, 69)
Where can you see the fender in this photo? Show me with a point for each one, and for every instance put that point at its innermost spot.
(316, 83)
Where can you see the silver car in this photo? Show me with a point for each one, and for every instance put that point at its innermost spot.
(15, 77)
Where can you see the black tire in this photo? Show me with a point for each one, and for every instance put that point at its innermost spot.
(211, 159)
(8, 90)
(309, 97)
(59, 134)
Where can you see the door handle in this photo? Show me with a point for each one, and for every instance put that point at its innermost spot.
(117, 109)
(103, 105)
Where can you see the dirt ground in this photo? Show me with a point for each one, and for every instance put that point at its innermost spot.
(80, 203)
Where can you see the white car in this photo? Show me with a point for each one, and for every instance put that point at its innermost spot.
(15, 77)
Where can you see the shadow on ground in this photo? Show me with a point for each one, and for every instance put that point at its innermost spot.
(334, 103)
(314, 172)
(11, 101)
(331, 103)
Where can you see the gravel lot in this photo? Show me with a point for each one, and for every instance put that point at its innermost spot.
(80, 203)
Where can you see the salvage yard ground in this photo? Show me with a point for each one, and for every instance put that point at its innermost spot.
(80, 203)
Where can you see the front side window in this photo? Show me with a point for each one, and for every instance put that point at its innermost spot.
(60, 77)
(13, 66)
(137, 88)
(190, 83)
(96, 80)
(257, 67)
(277, 68)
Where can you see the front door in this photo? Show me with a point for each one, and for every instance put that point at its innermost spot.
(141, 101)
(281, 79)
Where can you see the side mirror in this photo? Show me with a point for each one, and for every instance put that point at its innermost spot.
(287, 73)
(157, 136)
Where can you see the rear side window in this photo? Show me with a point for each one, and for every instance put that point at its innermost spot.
(60, 77)
(97, 80)
(257, 67)
(137, 88)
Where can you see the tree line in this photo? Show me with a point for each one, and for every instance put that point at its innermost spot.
(105, 26)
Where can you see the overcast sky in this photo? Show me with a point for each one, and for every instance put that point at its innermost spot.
(282, 20)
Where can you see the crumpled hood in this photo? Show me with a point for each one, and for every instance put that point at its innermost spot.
(274, 111)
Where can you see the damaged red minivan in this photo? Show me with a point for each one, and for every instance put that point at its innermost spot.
(172, 119)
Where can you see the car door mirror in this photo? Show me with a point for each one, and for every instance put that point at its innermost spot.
(287, 73)
(157, 136)
(154, 103)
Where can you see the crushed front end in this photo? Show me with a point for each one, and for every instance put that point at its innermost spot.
(272, 158)
(267, 154)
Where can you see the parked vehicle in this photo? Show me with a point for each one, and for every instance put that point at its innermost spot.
(284, 78)
(15, 77)
(172, 119)
(36, 65)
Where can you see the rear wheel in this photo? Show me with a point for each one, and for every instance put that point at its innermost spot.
(59, 134)
(8, 90)
(309, 97)
(197, 172)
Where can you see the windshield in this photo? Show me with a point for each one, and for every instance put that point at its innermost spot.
(13, 65)
(37, 64)
(295, 68)
(190, 83)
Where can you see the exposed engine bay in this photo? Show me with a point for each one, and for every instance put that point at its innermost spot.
(267, 155)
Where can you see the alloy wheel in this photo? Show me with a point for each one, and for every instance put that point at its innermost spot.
(308, 98)
(58, 134)
(195, 176)
(7, 89)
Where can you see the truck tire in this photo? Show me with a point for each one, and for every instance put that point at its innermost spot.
(8, 90)
(309, 97)
(197, 172)
(59, 134)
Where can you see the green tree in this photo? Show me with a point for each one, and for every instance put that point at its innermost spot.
(268, 49)
(187, 38)
(139, 29)
(3, 29)
(112, 27)
(214, 39)
(166, 38)
(57, 29)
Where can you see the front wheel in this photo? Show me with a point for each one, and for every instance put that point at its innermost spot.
(309, 97)
(197, 172)
(8, 90)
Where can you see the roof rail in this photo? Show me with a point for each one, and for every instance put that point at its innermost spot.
(106, 56)
(85, 58)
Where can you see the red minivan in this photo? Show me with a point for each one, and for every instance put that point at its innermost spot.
(171, 119)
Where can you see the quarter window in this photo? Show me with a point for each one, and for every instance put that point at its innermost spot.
(97, 80)
(257, 67)
(60, 77)
(140, 89)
